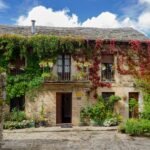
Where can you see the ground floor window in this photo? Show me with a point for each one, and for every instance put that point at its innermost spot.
(106, 95)
(18, 103)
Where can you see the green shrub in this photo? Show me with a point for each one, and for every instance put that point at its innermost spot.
(146, 110)
(100, 111)
(7, 116)
(112, 100)
(18, 125)
(85, 115)
(137, 126)
(17, 115)
(112, 121)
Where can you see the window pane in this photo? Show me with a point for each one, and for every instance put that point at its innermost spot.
(67, 62)
(60, 69)
(59, 62)
(67, 69)
(107, 72)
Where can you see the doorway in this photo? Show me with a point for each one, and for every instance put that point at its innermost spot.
(63, 108)
(133, 106)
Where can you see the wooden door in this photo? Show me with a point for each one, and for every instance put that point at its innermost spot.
(63, 108)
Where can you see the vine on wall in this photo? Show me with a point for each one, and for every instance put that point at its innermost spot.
(38, 48)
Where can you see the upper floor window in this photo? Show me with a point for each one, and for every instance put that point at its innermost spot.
(107, 69)
(17, 66)
(64, 67)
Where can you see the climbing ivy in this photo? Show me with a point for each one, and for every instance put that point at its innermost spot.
(44, 48)
(33, 49)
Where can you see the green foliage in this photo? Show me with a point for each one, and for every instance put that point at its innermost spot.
(144, 84)
(110, 122)
(85, 115)
(16, 115)
(137, 127)
(133, 103)
(18, 125)
(34, 49)
(112, 100)
(146, 110)
(101, 111)
(49, 76)
(18, 85)
(42, 113)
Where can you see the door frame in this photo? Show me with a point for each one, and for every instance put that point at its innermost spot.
(136, 94)
(59, 107)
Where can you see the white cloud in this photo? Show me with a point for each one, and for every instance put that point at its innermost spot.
(103, 20)
(47, 17)
(144, 20)
(2, 5)
(144, 1)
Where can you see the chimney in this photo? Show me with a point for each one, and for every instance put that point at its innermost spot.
(33, 27)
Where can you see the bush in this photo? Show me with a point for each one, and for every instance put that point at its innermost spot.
(146, 111)
(137, 126)
(85, 114)
(99, 112)
(17, 115)
(112, 100)
(94, 113)
(18, 125)
(112, 121)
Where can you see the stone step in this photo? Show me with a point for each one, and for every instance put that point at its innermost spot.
(65, 125)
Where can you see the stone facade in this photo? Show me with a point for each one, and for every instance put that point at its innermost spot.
(46, 96)
(2, 84)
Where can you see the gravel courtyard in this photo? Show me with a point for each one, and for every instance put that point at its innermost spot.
(44, 139)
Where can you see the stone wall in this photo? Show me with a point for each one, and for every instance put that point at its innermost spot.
(122, 86)
(1, 107)
(47, 98)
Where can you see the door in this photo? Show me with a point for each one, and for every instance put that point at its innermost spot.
(133, 106)
(63, 108)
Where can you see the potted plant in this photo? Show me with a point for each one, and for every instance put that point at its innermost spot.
(42, 119)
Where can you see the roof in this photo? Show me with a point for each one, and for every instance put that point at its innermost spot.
(120, 34)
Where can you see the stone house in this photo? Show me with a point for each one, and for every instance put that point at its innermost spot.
(62, 99)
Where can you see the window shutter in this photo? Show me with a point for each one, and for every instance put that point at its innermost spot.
(107, 59)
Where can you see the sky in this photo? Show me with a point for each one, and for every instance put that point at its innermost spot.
(78, 13)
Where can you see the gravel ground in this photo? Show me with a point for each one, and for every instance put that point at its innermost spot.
(73, 140)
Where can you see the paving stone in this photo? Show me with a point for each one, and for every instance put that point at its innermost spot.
(74, 140)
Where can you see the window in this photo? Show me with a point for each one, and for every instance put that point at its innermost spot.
(64, 67)
(18, 103)
(17, 66)
(106, 95)
(107, 68)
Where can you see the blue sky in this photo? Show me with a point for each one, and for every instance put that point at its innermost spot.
(71, 13)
